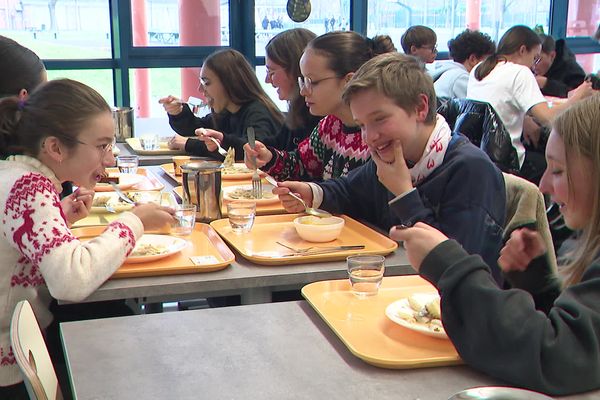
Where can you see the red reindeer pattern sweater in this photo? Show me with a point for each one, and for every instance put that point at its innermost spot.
(39, 256)
(332, 150)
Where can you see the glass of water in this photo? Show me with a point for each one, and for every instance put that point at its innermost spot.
(185, 216)
(241, 215)
(366, 274)
(149, 142)
(127, 164)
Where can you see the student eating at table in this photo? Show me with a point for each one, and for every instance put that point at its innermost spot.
(335, 147)
(419, 170)
(63, 131)
(282, 58)
(237, 102)
(545, 333)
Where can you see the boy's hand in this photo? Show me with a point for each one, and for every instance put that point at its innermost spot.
(395, 176)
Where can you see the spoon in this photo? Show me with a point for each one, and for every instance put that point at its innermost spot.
(308, 210)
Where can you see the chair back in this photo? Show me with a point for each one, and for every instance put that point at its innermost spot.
(32, 355)
(479, 122)
(525, 207)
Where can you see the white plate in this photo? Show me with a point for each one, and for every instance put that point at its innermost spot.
(391, 312)
(113, 200)
(498, 393)
(238, 171)
(126, 181)
(171, 245)
(267, 189)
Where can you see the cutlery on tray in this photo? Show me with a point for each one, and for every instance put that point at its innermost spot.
(319, 250)
(256, 182)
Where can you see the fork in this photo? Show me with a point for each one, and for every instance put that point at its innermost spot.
(318, 249)
(120, 193)
(256, 182)
(221, 150)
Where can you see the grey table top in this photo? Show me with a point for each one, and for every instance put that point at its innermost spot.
(266, 351)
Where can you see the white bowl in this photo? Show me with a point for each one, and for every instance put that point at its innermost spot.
(315, 229)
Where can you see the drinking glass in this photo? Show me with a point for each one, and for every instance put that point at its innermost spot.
(149, 142)
(241, 215)
(365, 273)
(127, 164)
(186, 219)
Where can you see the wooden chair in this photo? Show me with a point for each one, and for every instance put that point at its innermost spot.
(32, 355)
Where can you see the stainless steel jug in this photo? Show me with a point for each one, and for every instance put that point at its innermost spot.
(123, 119)
(202, 187)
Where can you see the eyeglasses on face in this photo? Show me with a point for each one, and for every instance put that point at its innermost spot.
(271, 72)
(537, 59)
(103, 149)
(433, 48)
(308, 84)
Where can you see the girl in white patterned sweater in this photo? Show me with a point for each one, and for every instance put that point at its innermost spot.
(62, 132)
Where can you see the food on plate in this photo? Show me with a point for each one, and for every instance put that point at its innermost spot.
(312, 220)
(423, 309)
(241, 193)
(146, 249)
(230, 167)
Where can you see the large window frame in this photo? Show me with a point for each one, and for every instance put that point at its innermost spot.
(241, 37)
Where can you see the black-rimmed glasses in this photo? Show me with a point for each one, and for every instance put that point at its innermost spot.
(307, 84)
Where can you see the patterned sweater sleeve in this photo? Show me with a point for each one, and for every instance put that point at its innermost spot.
(33, 222)
(304, 164)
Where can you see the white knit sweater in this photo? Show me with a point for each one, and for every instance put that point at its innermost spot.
(39, 257)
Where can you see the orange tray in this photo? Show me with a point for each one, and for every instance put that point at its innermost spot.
(262, 209)
(204, 242)
(169, 169)
(136, 146)
(259, 244)
(363, 327)
(148, 183)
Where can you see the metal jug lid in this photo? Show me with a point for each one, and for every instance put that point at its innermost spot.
(198, 166)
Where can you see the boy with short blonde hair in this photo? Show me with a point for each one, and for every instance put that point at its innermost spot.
(419, 170)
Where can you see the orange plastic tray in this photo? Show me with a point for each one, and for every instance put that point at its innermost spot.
(259, 244)
(136, 146)
(262, 209)
(204, 242)
(169, 169)
(363, 327)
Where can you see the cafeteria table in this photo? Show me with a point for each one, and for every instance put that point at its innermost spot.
(266, 351)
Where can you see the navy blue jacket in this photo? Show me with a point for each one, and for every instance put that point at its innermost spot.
(464, 197)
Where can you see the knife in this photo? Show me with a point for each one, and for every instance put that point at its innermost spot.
(324, 251)
(252, 143)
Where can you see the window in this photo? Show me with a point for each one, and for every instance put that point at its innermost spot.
(270, 18)
(180, 23)
(449, 18)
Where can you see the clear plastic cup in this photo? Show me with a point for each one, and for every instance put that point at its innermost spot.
(365, 273)
(241, 215)
(186, 219)
(128, 164)
(149, 142)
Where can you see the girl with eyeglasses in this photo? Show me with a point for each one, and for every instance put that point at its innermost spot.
(335, 146)
(506, 81)
(62, 132)
(282, 58)
(237, 101)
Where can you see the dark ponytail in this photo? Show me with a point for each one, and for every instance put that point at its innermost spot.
(60, 108)
(510, 43)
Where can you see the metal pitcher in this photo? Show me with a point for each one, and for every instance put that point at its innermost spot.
(202, 187)
(123, 119)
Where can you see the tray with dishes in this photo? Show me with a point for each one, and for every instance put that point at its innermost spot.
(110, 202)
(260, 244)
(143, 180)
(163, 148)
(369, 327)
(267, 208)
(202, 251)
